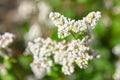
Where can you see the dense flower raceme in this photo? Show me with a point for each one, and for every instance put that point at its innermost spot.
(5, 40)
(65, 25)
(65, 53)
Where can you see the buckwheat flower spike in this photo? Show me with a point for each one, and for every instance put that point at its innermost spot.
(65, 25)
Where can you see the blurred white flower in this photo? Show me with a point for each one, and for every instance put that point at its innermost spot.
(6, 39)
(34, 32)
(116, 75)
(116, 10)
(2, 54)
(3, 69)
(38, 72)
(44, 10)
(108, 3)
(116, 50)
(25, 9)
(106, 20)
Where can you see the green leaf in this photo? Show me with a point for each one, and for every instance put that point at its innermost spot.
(7, 63)
(25, 61)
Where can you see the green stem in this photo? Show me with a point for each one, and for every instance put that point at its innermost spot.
(73, 35)
(63, 76)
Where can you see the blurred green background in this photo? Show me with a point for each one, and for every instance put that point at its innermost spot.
(28, 19)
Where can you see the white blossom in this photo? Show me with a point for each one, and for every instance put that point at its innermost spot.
(44, 9)
(3, 69)
(25, 9)
(116, 50)
(34, 32)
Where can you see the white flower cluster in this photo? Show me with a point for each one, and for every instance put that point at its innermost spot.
(65, 25)
(6, 39)
(64, 53)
